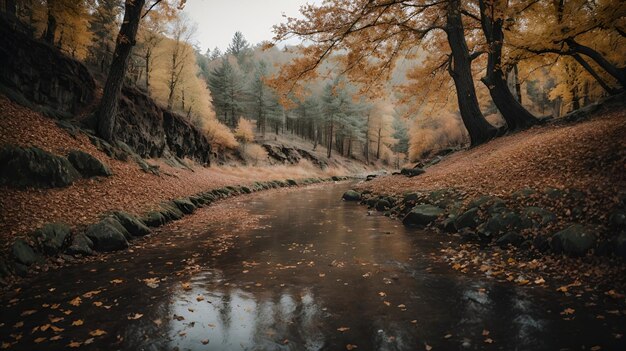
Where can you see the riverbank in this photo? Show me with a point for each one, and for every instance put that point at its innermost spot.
(542, 207)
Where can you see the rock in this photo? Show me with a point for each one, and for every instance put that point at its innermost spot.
(620, 245)
(186, 206)
(51, 237)
(132, 224)
(291, 182)
(469, 219)
(171, 212)
(448, 225)
(441, 198)
(484, 201)
(410, 198)
(382, 205)
(575, 240)
(523, 193)
(154, 219)
(539, 216)
(541, 244)
(24, 254)
(21, 270)
(468, 236)
(88, 165)
(335, 178)
(351, 195)
(81, 245)
(501, 222)
(617, 219)
(422, 215)
(510, 238)
(106, 236)
(411, 172)
(24, 167)
(370, 177)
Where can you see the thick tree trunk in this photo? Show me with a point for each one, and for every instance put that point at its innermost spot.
(11, 8)
(460, 70)
(148, 57)
(617, 72)
(124, 45)
(515, 115)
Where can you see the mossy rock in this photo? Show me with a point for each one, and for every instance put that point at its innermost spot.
(24, 167)
(87, 165)
(422, 215)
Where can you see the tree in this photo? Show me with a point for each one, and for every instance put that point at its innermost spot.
(124, 44)
(244, 132)
(239, 47)
(151, 34)
(262, 102)
(374, 35)
(492, 17)
(228, 93)
(104, 25)
(181, 51)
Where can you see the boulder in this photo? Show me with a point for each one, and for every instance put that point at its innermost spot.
(154, 219)
(448, 225)
(132, 224)
(51, 237)
(291, 182)
(422, 215)
(88, 165)
(81, 245)
(185, 205)
(469, 219)
(382, 205)
(539, 216)
(411, 172)
(23, 253)
(24, 167)
(170, 211)
(541, 244)
(351, 195)
(502, 222)
(370, 177)
(510, 238)
(574, 240)
(106, 236)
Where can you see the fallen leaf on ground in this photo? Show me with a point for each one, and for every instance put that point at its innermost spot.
(97, 332)
(78, 322)
(343, 329)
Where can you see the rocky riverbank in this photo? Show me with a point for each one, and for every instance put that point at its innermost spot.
(57, 243)
(545, 207)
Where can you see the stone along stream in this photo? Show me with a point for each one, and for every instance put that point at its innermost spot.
(315, 273)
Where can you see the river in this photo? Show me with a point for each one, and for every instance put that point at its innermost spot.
(315, 273)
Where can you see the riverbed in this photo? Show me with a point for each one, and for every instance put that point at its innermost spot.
(311, 272)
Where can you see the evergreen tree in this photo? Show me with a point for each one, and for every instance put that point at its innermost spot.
(104, 25)
(228, 93)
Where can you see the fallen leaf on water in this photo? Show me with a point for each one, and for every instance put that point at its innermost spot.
(596, 348)
(56, 329)
(205, 341)
(56, 338)
(485, 332)
(78, 322)
(447, 336)
(427, 347)
(186, 286)
(343, 329)
(117, 281)
(76, 302)
(158, 322)
(88, 341)
(90, 294)
(18, 325)
(5, 345)
(351, 347)
(97, 303)
(28, 313)
(382, 294)
(74, 344)
(539, 280)
(568, 311)
(97, 332)
(56, 320)
(136, 316)
(199, 298)
(489, 341)
(40, 340)
(401, 305)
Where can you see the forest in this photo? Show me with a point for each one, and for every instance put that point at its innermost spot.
(369, 175)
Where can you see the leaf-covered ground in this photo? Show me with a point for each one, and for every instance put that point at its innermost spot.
(129, 188)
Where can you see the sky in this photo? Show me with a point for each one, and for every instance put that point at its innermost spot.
(218, 20)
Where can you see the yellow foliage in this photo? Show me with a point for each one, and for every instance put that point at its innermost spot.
(244, 131)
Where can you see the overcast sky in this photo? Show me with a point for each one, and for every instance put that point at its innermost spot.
(218, 20)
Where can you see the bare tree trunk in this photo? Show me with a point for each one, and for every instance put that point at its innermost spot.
(477, 126)
(378, 144)
(515, 115)
(125, 42)
(617, 72)
(518, 85)
(330, 141)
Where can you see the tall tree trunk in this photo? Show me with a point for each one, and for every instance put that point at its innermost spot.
(11, 8)
(124, 45)
(518, 85)
(330, 140)
(367, 140)
(51, 28)
(515, 115)
(460, 70)
(148, 58)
